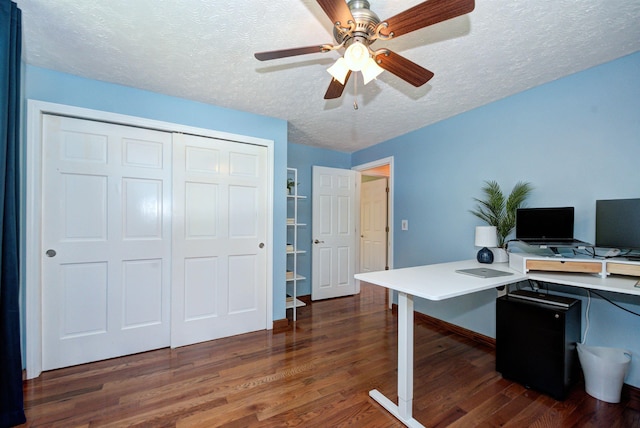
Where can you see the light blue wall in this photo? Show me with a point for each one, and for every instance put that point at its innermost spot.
(303, 158)
(46, 85)
(576, 140)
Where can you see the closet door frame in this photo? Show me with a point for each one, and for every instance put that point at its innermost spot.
(31, 232)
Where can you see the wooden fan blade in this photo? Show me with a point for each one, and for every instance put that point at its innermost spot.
(264, 56)
(336, 88)
(337, 11)
(424, 14)
(403, 68)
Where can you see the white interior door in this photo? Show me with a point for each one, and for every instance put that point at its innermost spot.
(106, 238)
(336, 204)
(373, 225)
(219, 280)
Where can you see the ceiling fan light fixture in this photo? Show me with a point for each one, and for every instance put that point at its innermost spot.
(339, 70)
(356, 27)
(356, 56)
(371, 70)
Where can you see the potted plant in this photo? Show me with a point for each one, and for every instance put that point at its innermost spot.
(290, 185)
(500, 211)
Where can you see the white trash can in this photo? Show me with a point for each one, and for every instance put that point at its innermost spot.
(604, 371)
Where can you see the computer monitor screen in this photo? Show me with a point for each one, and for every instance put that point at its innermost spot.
(544, 223)
(618, 224)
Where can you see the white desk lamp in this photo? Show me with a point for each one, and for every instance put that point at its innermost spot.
(486, 236)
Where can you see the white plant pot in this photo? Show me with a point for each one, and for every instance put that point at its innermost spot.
(500, 255)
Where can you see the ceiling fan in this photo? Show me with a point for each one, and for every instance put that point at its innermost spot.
(356, 27)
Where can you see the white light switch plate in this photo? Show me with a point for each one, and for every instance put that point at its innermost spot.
(405, 224)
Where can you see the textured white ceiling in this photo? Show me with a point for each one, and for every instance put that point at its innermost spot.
(203, 50)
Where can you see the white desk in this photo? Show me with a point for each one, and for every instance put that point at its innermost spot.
(433, 282)
(440, 282)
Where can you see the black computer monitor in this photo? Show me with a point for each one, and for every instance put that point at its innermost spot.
(618, 224)
(544, 223)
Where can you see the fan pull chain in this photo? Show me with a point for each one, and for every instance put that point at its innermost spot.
(355, 92)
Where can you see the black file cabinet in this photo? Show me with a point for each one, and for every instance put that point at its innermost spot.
(536, 342)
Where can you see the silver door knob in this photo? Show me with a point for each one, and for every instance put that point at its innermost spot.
(261, 245)
(50, 253)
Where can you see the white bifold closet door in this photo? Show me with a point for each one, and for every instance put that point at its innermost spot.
(142, 251)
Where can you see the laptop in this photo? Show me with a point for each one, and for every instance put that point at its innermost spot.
(483, 272)
(547, 227)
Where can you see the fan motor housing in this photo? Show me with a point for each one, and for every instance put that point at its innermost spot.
(366, 22)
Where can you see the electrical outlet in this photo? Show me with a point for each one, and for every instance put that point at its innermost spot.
(405, 224)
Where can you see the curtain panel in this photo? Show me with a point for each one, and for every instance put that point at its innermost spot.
(11, 395)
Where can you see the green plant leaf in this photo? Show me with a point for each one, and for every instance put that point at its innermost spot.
(498, 211)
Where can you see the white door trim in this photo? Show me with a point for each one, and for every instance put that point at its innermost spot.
(31, 270)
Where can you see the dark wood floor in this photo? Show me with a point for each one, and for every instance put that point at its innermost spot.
(317, 374)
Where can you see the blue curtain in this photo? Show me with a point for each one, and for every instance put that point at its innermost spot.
(11, 399)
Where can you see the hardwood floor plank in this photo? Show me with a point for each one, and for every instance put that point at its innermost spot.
(478, 415)
(315, 374)
(529, 415)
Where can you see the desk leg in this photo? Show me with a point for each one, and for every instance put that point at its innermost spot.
(405, 354)
(405, 366)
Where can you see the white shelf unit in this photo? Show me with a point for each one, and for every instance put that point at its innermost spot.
(293, 250)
